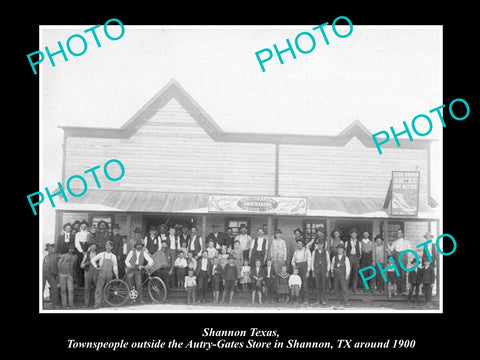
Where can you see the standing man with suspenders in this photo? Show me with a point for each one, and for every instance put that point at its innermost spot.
(107, 267)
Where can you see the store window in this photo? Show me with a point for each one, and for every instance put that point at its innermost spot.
(310, 228)
(390, 232)
(235, 223)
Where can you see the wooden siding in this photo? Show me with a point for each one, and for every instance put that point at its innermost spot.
(350, 171)
(172, 153)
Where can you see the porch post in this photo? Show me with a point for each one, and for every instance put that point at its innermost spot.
(204, 230)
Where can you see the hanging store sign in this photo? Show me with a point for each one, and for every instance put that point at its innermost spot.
(405, 189)
(257, 205)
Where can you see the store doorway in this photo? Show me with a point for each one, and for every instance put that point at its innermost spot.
(346, 225)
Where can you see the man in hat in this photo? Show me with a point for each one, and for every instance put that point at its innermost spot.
(432, 250)
(302, 260)
(185, 235)
(354, 254)
(340, 269)
(194, 243)
(103, 235)
(66, 271)
(116, 239)
(258, 248)
(106, 263)
(398, 246)
(164, 262)
(64, 239)
(162, 232)
(50, 271)
(137, 260)
(219, 238)
(245, 241)
(91, 273)
(320, 269)
(173, 239)
(152, 240)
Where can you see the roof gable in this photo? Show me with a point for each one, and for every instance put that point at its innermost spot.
(174, 90)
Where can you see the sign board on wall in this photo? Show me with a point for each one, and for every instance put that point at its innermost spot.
(257, 205)
(405, 190)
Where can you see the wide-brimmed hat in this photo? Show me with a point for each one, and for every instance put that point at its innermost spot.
(109, 243)
(378, 236)
(340, 246)
(153, 228)
(116, 226)
(49, 245)
(138, 243)
(321, 229)
(102, 222)
(300, 240)
(353, 231)
(299, 230)
(242, 226)
(278, 231)
(428, 235)
(162, 226)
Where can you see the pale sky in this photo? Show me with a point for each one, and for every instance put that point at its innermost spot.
(380, 76)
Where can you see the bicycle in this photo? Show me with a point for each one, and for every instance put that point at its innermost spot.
(118, 291)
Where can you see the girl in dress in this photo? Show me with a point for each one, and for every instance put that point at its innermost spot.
(282, 284)
(245, 275)
(223, 257)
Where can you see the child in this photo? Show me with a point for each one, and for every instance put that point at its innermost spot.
(180, 269)
(282, 280)
(229, 278)
(212, 252)
(258, 276)
(223, 257)
(191, 262)
(237, 254)
(270, 282)
(391, 278)
(295, 283)
(217, 276)
(183, 247)
(428, 278)
(414, 278)
(190, 285)
(245, 275)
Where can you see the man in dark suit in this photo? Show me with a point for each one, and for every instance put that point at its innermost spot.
(204, 274)
(116, 239)
(219, 238)
(415, 279)
(428, 278)
(64, 240)
(194, 243)
(103, 235)
(185, 235)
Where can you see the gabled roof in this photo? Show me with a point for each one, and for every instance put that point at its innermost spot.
(173, 90)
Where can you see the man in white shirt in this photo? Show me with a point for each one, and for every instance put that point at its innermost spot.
(245, 241)
(302, 260)
(400, 245)
(195, 243)
(135, 263)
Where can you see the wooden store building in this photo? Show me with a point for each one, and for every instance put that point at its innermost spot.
(181, 168)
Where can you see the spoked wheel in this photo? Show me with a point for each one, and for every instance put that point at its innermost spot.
(157, 289)
(116, 292)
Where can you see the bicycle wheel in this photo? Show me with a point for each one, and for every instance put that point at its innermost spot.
(116, 292)
(157, 289)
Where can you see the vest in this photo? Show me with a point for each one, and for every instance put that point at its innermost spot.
(320, 262)
(340, 267)
(357, 248)
(152, 244)
(133, 259)
(255, 245)
(196, 244)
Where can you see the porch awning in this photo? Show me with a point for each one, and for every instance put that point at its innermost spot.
(360, 207)
(137, 201)
(161, 202)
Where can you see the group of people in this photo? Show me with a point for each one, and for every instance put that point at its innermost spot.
(223, 263)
